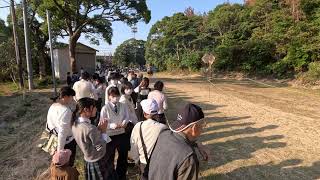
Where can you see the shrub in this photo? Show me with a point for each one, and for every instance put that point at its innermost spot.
(46, 81)
(191, 60)
(312, 75)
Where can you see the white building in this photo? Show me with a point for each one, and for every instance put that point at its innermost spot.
(85, 58)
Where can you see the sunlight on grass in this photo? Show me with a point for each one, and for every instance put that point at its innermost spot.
(8, 88)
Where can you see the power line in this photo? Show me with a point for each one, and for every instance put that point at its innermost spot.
(6, 1)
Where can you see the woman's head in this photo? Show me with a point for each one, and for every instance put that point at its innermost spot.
(86, 107)
(123, 80)
(158, 86)
(95, 76)
(126, 88)
(113, 94)
(145, 82)
(65, 94)
(85, 76)
(99, 80)
(114, 77)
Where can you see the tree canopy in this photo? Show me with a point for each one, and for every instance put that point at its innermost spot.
(130, 53)
(176, 42)
(278, 38)
(92, 18)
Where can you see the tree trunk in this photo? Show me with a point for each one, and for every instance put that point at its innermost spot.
(42, 64)
(72, 54)
(177, 51)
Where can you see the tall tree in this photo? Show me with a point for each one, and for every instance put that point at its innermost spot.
(38, 38)
(90, 17)
(175, 42)
(7, 54)
(130, 52)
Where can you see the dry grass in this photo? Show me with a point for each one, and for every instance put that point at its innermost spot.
(254, 132)
(22, 122)
(8, 88)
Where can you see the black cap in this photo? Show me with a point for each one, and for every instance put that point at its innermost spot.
(189, 114)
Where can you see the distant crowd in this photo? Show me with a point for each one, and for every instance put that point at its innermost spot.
(115, 119)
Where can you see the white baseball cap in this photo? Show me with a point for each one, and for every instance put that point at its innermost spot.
(150, 106)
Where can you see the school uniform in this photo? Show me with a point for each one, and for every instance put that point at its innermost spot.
(59, 122)
(84, 88)
(99, 91)
(131, 108)
(142, 93)
(69, 80)
(95, 149)
(162, 103)
(117, 114)
(99, 88)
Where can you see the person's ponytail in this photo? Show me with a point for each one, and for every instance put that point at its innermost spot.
(64, 91)
(55, 98)
(75, 115)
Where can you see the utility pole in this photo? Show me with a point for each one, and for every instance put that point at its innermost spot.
(16, 44)
(51, 54)
(134, 31)
(27, 44)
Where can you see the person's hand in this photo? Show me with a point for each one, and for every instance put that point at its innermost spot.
(103, 124)
(204, 151)
(119, 125)
(123, 125)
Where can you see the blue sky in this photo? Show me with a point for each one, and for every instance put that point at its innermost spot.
(159, 9)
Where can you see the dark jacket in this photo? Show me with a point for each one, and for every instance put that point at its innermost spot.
(174, 158)
(69, 81)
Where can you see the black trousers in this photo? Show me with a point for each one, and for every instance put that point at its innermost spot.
(121, 143)
(73, 147)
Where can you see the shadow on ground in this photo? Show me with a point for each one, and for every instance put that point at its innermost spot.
(288, 169)
(220, 81)
(238, 138)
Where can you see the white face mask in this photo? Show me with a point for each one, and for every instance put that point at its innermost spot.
(114, 82)
(115, 99)
(128, 91)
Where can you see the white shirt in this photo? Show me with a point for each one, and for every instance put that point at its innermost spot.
(100, 90)
(59, 119)
(83, 89)
(131, 110)
(150, 132)
(143, 92)
(160, 98)
(121, 117)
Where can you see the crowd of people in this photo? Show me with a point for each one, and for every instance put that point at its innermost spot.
(129, 122)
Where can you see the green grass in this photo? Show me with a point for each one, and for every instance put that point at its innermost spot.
(45, 82)
(8, 88)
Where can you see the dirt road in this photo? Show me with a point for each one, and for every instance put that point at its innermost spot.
(254, 131)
